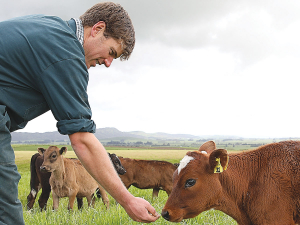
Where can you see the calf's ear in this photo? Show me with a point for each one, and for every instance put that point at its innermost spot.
(63, 151)
(208, 147)
(218, 160)
(41, 150)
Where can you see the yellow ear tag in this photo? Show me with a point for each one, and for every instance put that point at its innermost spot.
(225, 168)
(218, 168)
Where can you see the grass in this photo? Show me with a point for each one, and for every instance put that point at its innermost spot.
(99, 214)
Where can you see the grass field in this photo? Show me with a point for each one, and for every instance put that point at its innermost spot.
(99, 214)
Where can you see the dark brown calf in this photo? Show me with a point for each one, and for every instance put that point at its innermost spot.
(40, 180)
(259, 187)
(146, 174)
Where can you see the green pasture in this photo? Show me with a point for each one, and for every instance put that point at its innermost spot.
(99, 214)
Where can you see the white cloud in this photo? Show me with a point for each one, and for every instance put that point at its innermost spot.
(199, 67)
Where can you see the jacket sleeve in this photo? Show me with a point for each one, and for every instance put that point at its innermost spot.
(64, 86)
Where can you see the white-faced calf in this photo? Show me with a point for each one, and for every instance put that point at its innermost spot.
(69, 178)
(259, 187)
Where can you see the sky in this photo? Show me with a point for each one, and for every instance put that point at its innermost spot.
(201, 67)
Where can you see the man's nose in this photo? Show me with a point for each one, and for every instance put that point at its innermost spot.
(108, 61)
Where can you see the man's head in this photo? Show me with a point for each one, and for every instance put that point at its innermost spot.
(114, 22)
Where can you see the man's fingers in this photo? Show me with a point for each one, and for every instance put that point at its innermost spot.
(142, 211)
(152, 212)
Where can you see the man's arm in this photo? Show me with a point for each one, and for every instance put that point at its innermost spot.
(94, 158)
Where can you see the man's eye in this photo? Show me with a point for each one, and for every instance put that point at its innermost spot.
(113, 53)
(190, 183)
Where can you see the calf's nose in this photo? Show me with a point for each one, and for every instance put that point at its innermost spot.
(43, 168)
(165, 215)
(122, 171)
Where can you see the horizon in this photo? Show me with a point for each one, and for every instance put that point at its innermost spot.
(158, 132)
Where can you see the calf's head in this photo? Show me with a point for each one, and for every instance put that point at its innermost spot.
(196, 186)
(117, 164)
(52, 158)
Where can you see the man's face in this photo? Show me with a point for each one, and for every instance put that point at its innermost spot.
(99, 49)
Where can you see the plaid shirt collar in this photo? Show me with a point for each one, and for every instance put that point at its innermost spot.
(79, 30)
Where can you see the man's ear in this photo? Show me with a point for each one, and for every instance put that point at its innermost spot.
(98, 28)
(63, 151)
(41, 151)
(218, 160)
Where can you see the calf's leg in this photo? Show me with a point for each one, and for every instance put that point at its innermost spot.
(155, 193)
(34, 182)
(104, 196)
(31, 199)
(79, 203)
(91, 200)
(71, 201)
(55, 201)
(44, 199)
(46, 190)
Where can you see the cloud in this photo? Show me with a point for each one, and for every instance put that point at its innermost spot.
(199, 67)
(247, 29)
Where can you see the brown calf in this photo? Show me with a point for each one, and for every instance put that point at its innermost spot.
(146, 174)
(260, 186)
(40, 180)
(69, 178)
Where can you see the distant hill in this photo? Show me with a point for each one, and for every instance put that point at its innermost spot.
(101, 134)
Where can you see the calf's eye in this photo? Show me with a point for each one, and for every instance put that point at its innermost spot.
(190, 183)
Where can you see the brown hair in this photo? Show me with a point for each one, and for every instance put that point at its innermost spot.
(118, 24)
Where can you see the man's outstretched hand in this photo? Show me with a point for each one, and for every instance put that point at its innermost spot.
(141, 211)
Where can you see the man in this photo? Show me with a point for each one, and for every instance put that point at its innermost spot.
(44, 64)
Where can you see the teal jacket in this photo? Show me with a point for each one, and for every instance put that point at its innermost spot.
(42, 67)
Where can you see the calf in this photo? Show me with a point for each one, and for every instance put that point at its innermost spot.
(69, 178)
(145, 174)
(260, 186)
(40, 180)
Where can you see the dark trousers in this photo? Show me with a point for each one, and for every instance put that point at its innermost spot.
(11, 211)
